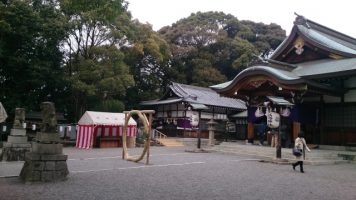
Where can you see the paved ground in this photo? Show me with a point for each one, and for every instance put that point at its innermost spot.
(176, 174)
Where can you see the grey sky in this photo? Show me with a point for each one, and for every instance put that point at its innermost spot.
(336, 14)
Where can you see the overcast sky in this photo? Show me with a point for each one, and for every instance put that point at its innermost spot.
(336, 14)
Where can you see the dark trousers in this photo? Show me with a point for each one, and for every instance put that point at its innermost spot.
(298, 163)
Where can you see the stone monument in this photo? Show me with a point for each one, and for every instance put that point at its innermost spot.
(211, 129)
(46, 162)
(17, 144)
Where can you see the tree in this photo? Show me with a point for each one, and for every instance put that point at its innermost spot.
(204, 41)
(94, 60)
(214, 40)
(264, 37)
(232, 55)
(30, 58)
(148, 58)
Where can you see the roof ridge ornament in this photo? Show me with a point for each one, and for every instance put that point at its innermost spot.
(301, 20)
(298, 45)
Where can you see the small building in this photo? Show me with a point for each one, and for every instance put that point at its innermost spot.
(104, 129)
(315, 69)
(179, 105)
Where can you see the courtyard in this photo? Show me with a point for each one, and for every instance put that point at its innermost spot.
(174, 173)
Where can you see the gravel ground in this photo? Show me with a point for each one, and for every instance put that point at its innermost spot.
(176, 174)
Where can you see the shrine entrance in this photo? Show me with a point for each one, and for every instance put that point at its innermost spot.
(255, 84)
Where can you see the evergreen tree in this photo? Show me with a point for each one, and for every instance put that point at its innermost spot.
(31, 32)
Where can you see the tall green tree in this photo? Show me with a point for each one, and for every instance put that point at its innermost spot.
(31, 32)
(265, 37)
(95, 64)
(190, 39)
(148, 58)
(219, 41)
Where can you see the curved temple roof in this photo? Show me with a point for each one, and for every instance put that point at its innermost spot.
(329, 54)
(319, 36)
(282, 75)
(326, 42)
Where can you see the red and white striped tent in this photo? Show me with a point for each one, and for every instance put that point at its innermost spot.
(102, 124)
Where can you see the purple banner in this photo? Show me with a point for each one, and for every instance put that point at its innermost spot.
(183, 123)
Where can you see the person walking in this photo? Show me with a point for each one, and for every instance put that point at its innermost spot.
(300, 145)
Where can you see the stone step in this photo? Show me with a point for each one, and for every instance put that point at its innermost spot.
(17, 145)
(16, 139)
(269, 157)
(315, 156)
(18, 131)
(286, 152)
(170, 142)
(41, 148)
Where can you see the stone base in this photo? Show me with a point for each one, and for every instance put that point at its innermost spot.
(41, 148)
(196, 150)
(47, 137)
(44, 168)
(16, 139)
(18, 131)
(15, 152)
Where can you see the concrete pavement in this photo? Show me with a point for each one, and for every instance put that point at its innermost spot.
(176, 174)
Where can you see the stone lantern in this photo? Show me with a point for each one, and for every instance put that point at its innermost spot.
(46, 162)
(211, 128)
(17, 145)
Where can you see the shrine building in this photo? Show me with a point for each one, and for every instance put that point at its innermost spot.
(314, 69)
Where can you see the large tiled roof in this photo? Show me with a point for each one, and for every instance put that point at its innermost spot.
(326, 67)
(331, 34)
(197, 95)
(327, 41)
(206, 96)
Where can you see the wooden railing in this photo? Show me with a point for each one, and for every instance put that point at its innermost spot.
(158, 134)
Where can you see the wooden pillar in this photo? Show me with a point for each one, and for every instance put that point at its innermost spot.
(296, 129)
(322, 120)
(150, 119)
(343, 133)
(250, 132)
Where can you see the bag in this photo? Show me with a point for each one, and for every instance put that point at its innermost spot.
(297, 152)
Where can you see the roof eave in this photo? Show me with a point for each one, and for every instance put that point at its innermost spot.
(330, 31)
(331, 74)
(245, 74)
(284, 44)
(321, 46)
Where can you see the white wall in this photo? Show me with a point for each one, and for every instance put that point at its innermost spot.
(332, 99)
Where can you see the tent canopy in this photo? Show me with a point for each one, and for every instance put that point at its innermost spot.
(104, 118)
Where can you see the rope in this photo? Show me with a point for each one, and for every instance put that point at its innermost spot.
(146, 136)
